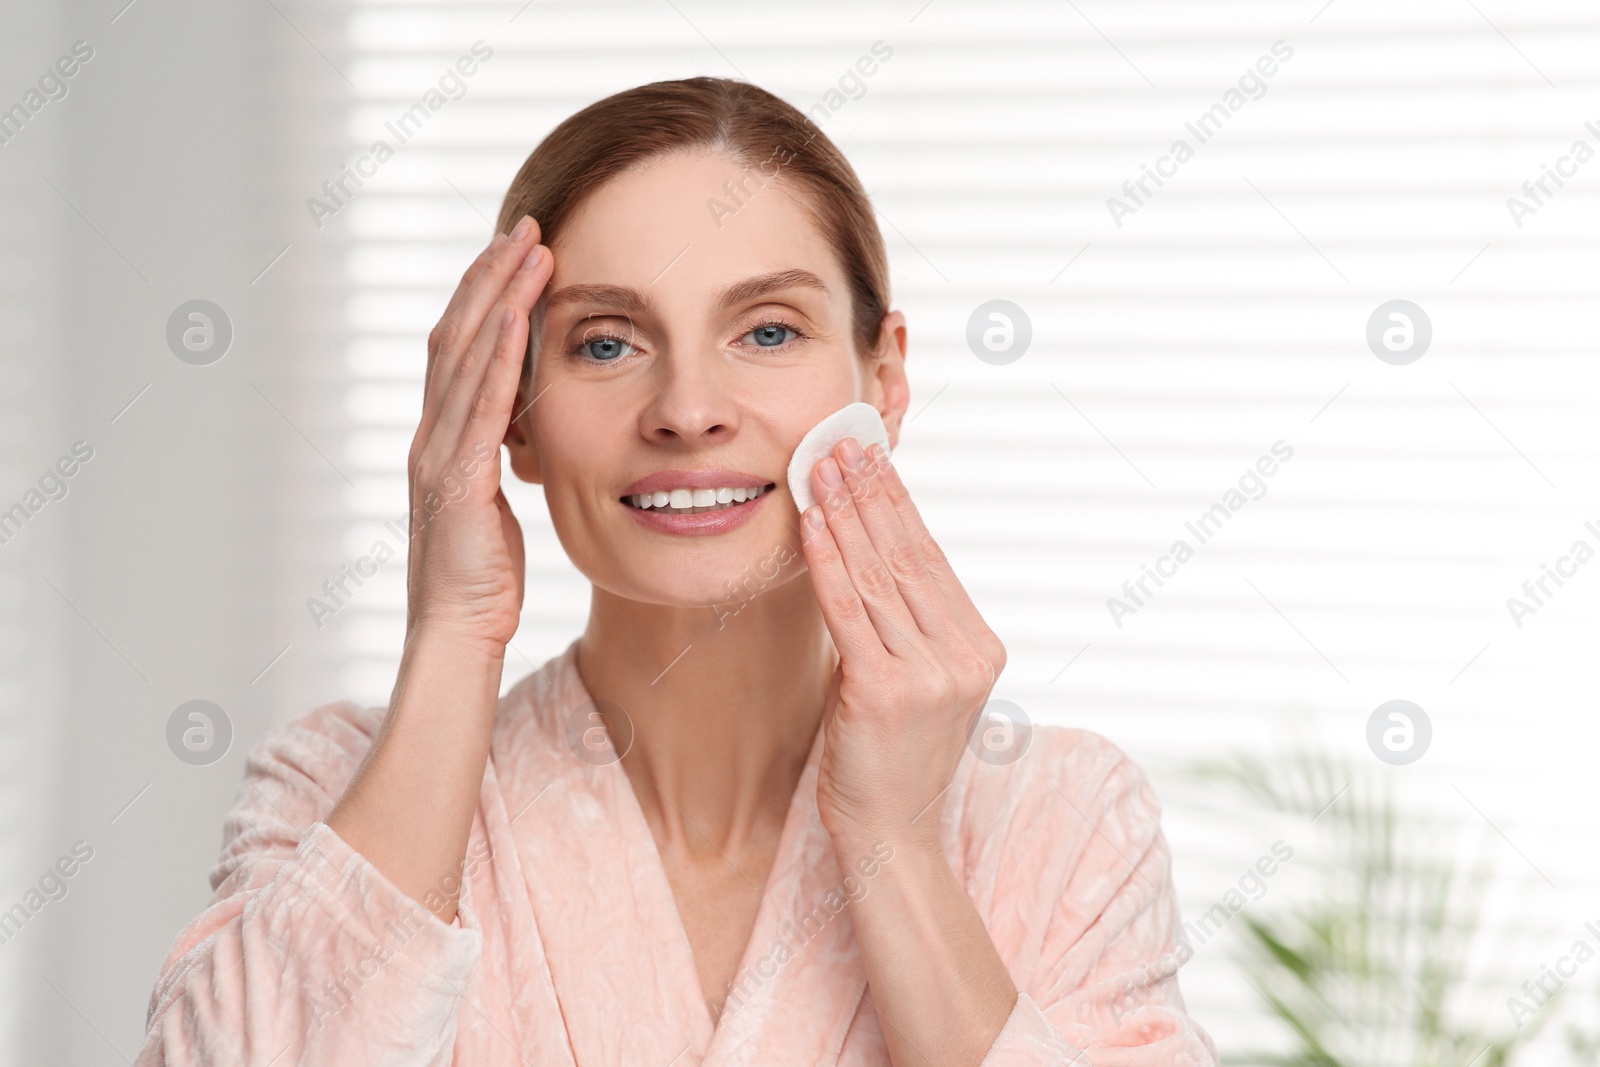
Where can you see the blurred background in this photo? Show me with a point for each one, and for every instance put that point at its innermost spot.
(1351, 320)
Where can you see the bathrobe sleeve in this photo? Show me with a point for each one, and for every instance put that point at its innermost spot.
(307, 954)
(1097, 964)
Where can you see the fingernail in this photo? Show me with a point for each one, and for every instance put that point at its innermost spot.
(830, 472)
(814, 517)
(880, 456)
(533, 257)
(851, 451)
(522, 228)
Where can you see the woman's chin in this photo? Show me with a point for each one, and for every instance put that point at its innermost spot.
(721, 593)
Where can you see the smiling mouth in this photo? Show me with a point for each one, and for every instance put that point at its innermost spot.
(695, 501)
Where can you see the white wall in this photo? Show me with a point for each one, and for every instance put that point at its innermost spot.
(170, 171)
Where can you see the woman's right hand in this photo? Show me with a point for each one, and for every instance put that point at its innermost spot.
(466, 556)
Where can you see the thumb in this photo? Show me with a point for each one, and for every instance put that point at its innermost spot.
(830, 703)
(511, 531)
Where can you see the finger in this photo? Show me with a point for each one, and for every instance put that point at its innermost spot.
(502, 358)
(842, 609)
(467, 277)
(873, 582)
(879, 517)
(442, 336)
(452, 338)
(938, 566)
(492, 412)
(476, 267)
(456, 333)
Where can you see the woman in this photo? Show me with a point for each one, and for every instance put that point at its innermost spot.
(736, 821)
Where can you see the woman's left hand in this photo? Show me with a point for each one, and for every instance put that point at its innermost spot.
(916, 660)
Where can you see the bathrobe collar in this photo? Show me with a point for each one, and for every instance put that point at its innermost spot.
(618, 955)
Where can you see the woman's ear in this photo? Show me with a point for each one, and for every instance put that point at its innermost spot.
(519, 439)
(888, 390)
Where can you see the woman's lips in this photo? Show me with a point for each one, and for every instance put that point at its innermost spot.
(694, 478)
(699, 524)
(677, 488)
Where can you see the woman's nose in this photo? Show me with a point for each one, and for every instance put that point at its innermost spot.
(693, 402)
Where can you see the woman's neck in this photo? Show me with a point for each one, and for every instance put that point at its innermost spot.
(724, 706)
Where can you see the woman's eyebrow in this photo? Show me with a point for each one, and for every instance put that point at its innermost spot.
(636, 303)
(617, 296)
(762, 284)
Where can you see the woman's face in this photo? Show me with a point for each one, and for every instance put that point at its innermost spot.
(695, 331)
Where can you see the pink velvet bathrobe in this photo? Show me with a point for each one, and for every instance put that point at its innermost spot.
(567, 948)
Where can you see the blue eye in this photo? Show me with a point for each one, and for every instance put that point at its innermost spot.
(770, 335)
(603, 349)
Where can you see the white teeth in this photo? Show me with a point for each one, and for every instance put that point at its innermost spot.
(696, 499)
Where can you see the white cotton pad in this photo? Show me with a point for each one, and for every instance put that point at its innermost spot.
(856, 420)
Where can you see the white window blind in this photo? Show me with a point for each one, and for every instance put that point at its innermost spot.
(1178, 336)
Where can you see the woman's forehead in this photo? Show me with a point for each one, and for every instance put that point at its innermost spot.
(692, 226)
